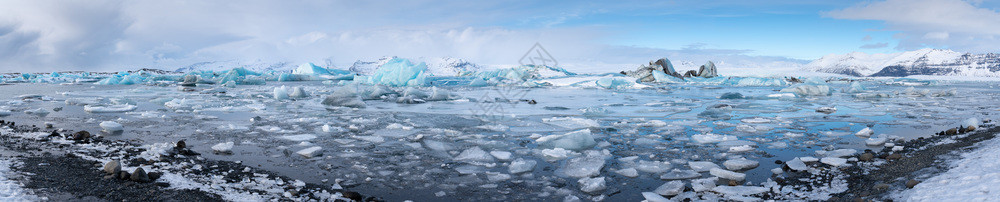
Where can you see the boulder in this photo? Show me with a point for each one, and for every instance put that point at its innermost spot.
(112, 167)
(139, 175)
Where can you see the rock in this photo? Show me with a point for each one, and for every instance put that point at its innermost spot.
(866, 157)
(180, 145)
(352, 195)
(532, 102)
(154, 175)
(880, 187)
(139, 175)
(123, 175)
(894, 157)
(970, 128)
(951, 132)
(81, 135)
(911, 183)
(779, 162)
(733, 183)
(112, 167)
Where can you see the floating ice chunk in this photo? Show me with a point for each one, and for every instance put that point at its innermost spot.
(808, 90)
(756, 120)
(782, 95)
(496, 177)
(654, 197)
(702, 166)
(865, 132)
(711, 138)
(281, 93)
(855, 87)
(740, 164)
(725, 174)
(628, 172)
(670, 188)
(833, 161)
(521, 165)
(777, 171)
(225, 147)
(742, 148)
(614, 82)
(678, 174)
(593, 184)
(344, 97)
(974, 122)
(469, 169)
(4, 112)
(808, 159)
(704, 184)
(397, 126)
(587, 166)
(897, 148)
(111, 126)
(576, 140)
(836, 153)
(436, 145)
(398, 72)
(796, 164)
(653, 123)
(37, 112)
(556, 154)
(877, 140)
(571, 122)
(501, 155)
(309, 152)
(298, 92)
(438, 94)
(299, 138)
(474, 154)
(109, 109)
(730, 191)
(793, 135)
(371, 138)
(652, 166)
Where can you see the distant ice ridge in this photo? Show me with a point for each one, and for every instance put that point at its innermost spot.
(397, 72)
(918, 62)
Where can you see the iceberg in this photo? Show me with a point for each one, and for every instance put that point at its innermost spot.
(281, 93)
(398, 72)
(707, 70)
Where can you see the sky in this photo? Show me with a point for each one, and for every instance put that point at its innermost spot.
(110, 35)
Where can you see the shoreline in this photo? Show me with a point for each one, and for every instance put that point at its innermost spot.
(55, 167)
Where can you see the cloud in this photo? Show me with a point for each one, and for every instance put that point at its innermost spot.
(874, 45)
(867, 38)
(111, 35)
(954, 24)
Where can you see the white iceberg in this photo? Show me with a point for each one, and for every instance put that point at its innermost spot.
(576, 140)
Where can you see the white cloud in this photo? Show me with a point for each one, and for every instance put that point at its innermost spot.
(954, 24)
(107, 35)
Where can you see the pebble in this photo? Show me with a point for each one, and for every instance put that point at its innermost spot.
(123, 175)
(911, 183)
(81, 135)
(112, 167)
(894, 157)
(881, 187)
(866, 157)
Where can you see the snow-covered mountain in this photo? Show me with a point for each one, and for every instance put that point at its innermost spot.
(918, 62)
(438, 66)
